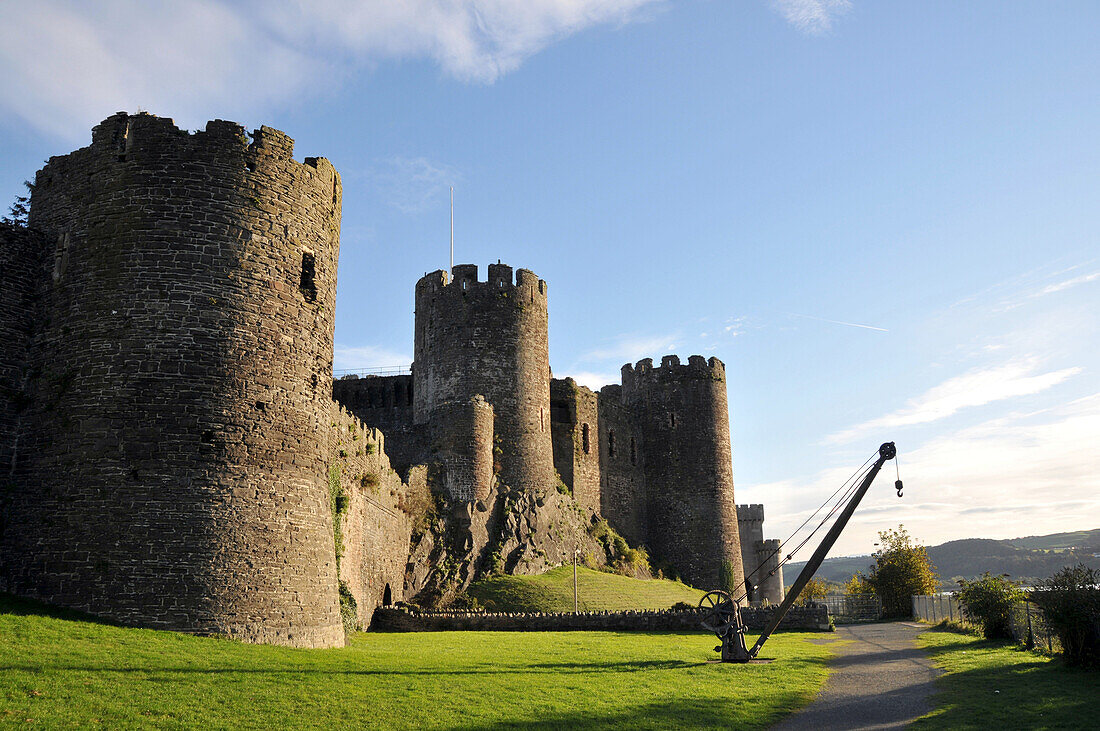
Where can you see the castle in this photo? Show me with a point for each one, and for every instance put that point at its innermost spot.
(176, 454)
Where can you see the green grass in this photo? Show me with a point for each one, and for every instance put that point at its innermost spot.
(597, 591)
(63, 672)
(990, 684)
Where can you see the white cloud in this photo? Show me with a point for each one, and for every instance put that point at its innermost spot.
(1066, 284)
(364, 357)
(631, 348)
(65, 65)
(811, 16)
(1024, 474)
(593, 380)
(975, 388)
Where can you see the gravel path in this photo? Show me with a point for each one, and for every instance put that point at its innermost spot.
(880, 679)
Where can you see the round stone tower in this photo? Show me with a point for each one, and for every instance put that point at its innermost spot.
(171, 471)
(689, 468)
(489, 338)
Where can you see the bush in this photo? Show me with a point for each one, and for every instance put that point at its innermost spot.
(814, 591)
(727, 578)
(1071, 602)
(349, 614)
(901, 569)
(987, 601)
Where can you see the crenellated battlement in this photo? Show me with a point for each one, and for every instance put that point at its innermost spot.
(123, 140)
(754, 511)
(463, 279)
(671, 370)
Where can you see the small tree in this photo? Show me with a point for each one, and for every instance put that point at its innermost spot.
(17, 214)
(814, 591)
(902, 568)
(987, 601)
(1071, 602)
(859, 585)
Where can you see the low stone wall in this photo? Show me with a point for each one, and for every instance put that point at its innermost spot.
(390, 619)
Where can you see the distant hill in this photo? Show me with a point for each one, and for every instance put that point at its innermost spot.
(1026, 559)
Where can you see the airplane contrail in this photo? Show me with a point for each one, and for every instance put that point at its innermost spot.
(840, 322)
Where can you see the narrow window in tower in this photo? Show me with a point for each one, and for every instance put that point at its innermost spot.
(584, 439)
(542, 419)
(633, 452)
(672, 420)
(307, 283)
(610, 442)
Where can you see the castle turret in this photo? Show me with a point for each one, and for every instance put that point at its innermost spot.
(489, 338)
(769, 572)
(691, 513)
(172, 452)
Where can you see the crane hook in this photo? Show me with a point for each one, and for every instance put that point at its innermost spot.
(898, 486)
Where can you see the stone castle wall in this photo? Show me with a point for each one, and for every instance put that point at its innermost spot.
(22, 254)
(689, 467)
(490, 339)
(375, 525)
(622, 467)
(574, 420)
(386, 403)
(171, 469)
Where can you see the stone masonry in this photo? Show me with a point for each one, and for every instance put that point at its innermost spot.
(175, 454)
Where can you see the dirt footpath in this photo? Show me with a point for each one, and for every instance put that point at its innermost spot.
(879, 679)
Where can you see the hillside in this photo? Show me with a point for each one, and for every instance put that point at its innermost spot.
(597, 591)
(1027, 559)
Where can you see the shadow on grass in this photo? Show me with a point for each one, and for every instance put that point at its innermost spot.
(1011, 688)
(536, 668)
(20, 607)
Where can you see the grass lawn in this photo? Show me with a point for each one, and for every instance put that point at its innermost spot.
(61, 671)
(997, 685)
(553, 592)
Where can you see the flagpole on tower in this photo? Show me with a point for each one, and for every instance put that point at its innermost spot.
(452, 228)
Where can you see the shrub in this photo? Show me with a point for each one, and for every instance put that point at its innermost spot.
(902, 568)
(1071, 602)
(465, 603)
(727, 578)
(987, 601)
(814, 591)
(349, 615)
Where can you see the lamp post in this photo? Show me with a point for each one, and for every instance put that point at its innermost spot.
(576, 603)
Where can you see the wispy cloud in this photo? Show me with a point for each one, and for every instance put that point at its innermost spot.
(66, 64)
(362, 357)
(839, 322)
(977, 387)
(629, 348)
(812, 17)
(412, 184)
(1023, 474)
(1066, 284)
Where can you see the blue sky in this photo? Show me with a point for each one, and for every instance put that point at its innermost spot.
(882, 216)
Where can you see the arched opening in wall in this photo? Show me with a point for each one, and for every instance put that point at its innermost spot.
(409, 394)
(397, 393)
(633, 452)
(387, 596)
(584, 439)
(307, 283)
(610, 442)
